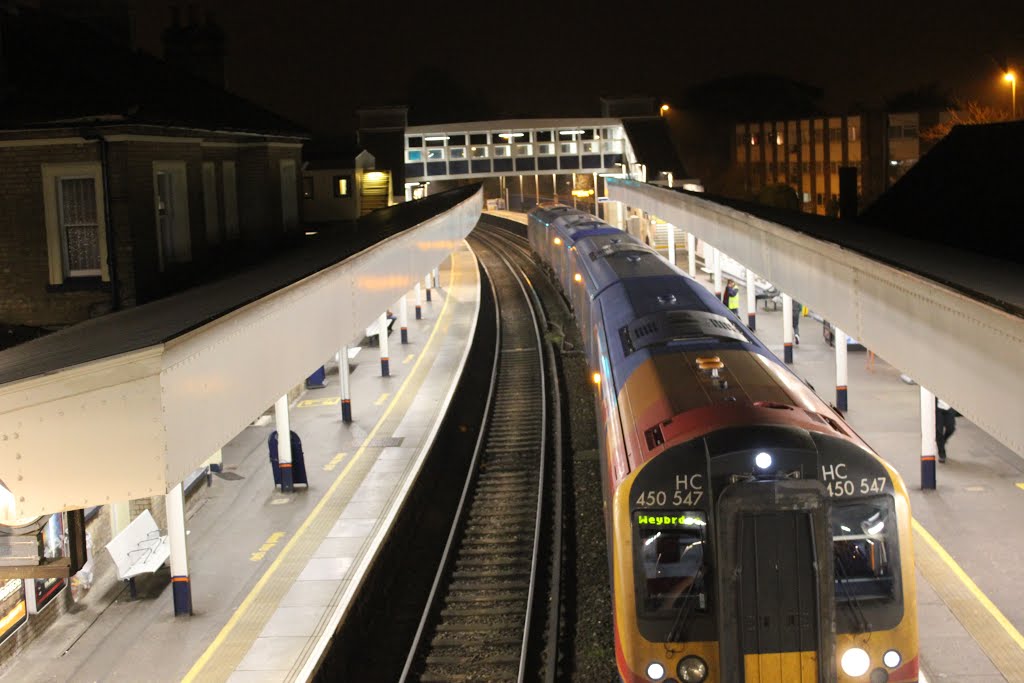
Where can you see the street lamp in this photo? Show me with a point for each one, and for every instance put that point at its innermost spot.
(664, 109)
(1011, 78)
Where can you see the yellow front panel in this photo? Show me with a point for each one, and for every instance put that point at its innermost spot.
(785, 667)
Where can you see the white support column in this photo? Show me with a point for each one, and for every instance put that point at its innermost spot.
(691, 254)
(382, 336)
(181, 587)
(437, 277)
(716, 260)
(597, 209)
(929, 449)
(403, 318)
(787, 328)
(574, 190)
(671, 232)
(284, 443)
(841, 370)
(536, 187)
(346, 389)
(426, 285)
(554, 187)
(522, 196)
(751, 301)
(419, 302)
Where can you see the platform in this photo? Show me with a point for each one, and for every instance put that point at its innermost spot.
(271, 572)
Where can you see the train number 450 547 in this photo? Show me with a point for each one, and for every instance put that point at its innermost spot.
(650, 499)
(848, 487)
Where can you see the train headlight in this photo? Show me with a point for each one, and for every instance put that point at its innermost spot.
(892, 659)
(692, 669)
(763, 460)
(855, 662)
(655, 671)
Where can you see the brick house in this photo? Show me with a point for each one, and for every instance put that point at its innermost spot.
(123, 179)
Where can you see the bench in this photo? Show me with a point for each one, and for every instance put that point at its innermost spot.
(374, 329)
(769, 295)
(139, 549)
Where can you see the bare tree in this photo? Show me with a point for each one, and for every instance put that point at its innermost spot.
(965, 113)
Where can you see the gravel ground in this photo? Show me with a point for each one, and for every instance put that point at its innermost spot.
(587, 626)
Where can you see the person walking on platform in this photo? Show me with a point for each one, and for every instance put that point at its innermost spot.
(731, 297)
(797, 308)
(945, 425)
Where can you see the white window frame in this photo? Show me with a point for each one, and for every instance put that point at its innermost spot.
(289, 191)
(210, 204)
(181, 227)
(52, 173)
(229, 179)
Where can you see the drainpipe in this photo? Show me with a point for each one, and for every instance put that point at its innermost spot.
(108, 219)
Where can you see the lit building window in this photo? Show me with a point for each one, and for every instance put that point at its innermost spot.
(503, 150)
(567, 148)
(524, 150)
(478, 152)
(778, 138)
(435, 154)
(412, 155)
(342, 186)
(456, 152)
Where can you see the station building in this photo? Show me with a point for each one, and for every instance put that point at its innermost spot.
(125, 179)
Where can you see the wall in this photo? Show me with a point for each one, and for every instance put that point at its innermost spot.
(25, 294)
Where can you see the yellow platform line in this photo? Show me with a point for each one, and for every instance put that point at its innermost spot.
(195, 673)
(999, 638)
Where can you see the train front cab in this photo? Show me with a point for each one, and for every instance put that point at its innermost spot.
(798, 552)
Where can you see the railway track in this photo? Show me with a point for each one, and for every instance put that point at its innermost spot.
(477, 623)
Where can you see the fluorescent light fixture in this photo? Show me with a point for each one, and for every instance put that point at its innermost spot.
(571, 132)
(436, 138)
(509, 136)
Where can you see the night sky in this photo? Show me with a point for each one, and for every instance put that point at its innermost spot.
(315, 62)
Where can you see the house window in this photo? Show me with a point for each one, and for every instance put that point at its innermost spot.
(342, 186)
(456, 152)
(228, 178)
(307, 187)
(289, 190)
(170, 199)
(73, 208)
(210, 203)
(79, 226)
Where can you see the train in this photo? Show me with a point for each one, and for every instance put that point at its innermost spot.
(753, 536)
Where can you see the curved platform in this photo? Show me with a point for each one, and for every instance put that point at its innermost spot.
(273, 574)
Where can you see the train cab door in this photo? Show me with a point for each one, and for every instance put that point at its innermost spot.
(777, 607)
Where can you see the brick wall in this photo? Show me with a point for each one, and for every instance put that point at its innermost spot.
(24, 264)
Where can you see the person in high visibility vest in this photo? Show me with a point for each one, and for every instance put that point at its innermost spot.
(731, 297)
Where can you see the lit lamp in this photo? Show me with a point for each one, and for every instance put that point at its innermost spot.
(664, 109)
(1011, 78)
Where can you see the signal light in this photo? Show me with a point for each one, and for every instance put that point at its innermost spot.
(597, 377)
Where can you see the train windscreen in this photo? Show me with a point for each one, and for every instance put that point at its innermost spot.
(671, 560)
(865, 548)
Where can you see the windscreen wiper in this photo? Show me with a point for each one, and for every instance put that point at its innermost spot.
(686, 608)
(852, 600)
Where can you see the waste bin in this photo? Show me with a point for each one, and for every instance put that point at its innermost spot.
(318, 380)
(298, 463)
